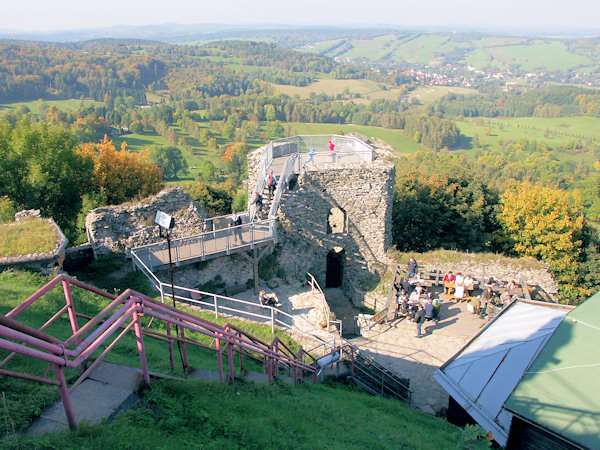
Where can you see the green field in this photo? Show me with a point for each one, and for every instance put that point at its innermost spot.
(367, 89)
(35, 106)
(497, 52)
(429, 94)
(553, 131)
(400, 143)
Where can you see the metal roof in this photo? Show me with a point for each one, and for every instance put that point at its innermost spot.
(561, 389)
(481, 376)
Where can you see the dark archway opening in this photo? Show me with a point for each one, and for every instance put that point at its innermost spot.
(335, 268)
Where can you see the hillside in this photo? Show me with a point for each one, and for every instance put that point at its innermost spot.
(196, 414)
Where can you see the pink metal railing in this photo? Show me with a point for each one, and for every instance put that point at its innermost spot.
(121, 316)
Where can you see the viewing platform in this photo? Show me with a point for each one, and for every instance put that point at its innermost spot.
(286, 158)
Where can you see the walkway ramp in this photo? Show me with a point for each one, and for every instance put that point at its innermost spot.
(108, 390)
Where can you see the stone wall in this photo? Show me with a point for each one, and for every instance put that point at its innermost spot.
(534, 273)
(78, 257)
(45, 263)
(364, 192)
(119, 228)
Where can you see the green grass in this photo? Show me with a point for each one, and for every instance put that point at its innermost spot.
(243, 415)
(368, 90)
(429, 94)
(138, 142)
(400, 143)
(35, 105)
(27, 236)
(438, 257)
(553, 131)
(25, 400)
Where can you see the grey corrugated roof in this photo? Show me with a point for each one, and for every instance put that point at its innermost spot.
(481, 376)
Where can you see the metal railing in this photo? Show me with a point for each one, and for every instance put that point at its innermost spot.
(385, 382)
(220, 242)
(325, 309)
(221, 304)
(121, 316)
(345, 146)
(282, 185)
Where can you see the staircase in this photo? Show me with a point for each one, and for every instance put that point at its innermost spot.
(378, 380)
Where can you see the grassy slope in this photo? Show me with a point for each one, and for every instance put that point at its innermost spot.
(499, 52)
(208, 415)
(533, 128)
(35, 105)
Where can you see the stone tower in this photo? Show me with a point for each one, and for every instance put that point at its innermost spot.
(335, 221)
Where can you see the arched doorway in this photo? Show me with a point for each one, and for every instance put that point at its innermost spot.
(335, 267)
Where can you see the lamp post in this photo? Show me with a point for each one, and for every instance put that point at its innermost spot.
(166, 223)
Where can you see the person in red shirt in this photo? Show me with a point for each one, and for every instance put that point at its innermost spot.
(448, 278)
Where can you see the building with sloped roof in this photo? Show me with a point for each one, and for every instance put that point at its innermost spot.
(557, 400)
(484, 373)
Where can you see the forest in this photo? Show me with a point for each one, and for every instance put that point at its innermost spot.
(71, 114)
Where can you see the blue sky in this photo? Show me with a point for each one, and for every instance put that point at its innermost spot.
(68, 14)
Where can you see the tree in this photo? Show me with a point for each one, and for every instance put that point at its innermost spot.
(216, 200)
(170, 159)
(547, 224)
(39, 168)
(122, 175)
(451, 209)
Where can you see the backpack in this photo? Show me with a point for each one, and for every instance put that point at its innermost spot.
(238, 221)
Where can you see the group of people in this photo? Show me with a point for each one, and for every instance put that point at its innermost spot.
(459, 286)
(495, 293)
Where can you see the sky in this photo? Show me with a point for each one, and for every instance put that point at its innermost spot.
(54, 15)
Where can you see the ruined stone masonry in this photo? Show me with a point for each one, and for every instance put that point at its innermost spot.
(119, 228)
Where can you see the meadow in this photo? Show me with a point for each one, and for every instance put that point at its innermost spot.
(553, 131)
(35, 106)
(367, 89)
(498, 52)
(429, 94)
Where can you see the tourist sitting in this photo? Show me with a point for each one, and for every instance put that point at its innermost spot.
(415, 295)
(474, 305)
(512, 285)
(469, 284)
(401, 297)
(429, 308)
(459, 279)
(448, 282)
(404, 310)
(268, 300)
(459, 293)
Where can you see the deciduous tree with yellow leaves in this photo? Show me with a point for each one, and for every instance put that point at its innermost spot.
(121, 174)
(547, 224)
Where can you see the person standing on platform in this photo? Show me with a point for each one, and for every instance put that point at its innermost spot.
(311, 155)
(235, 221)
(271, 184)
(332, 151)
(419, 320)
(412, 268)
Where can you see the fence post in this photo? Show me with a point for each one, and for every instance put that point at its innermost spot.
(140, 345)
(64, 395)
(216, 306)
(276, 361)
(219, 357)
(70, 307)
(272, 320)
(352, 362)
(240, 354)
